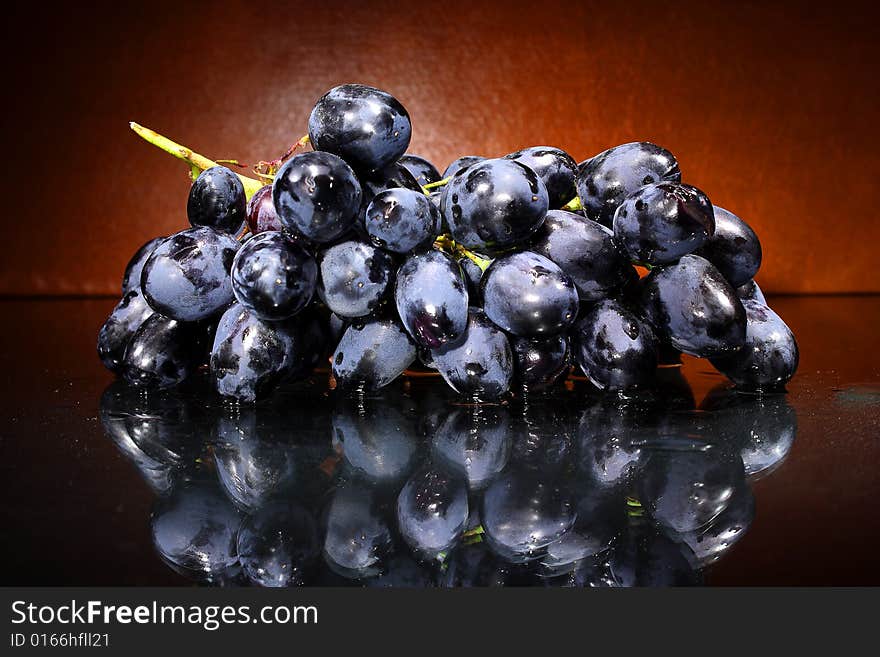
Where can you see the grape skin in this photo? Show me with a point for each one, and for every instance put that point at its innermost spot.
(694, 307)
(769, 357)
(494, 204)
(187, 276)
(116, 333)
(131, 280)
(217, 199)
(480, 364)
(431, 299)
(660, 222)
(365, 126)
(586, 251)
(607, 178)
(555, 167)
(528, 295)
(250, 356)
(402, 220)
(459, 164)
(370, 356)
(615, 349)
(422, 170)
(317, 195)
(161, 353)
(355, 278)
(734, 248)
(261, 215)
(273, 277)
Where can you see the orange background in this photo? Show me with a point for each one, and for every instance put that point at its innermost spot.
(771, 108)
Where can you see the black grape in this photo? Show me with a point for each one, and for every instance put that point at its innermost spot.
(217, 199)
(432, 299)
(528, 295)
(607, 178)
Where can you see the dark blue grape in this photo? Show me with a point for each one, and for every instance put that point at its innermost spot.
(607, 178)
(474, 443)
(370, 356)
(480, 364)
(694, 307)
(734, 248)
(273, 277)
(494, 204)
(402, 220)
(423, 171)
(461, 163)
(217, 200)
(187, 276)
(615, 349)
(555, 167)
(125, 319)
(661, 222)
(162, 353)
(366, 127)
(432, 510)
(278, 544)
(523, 514)
(250, 356)
(357, 537)
(585, 251)
(768, 358)
(540, 362)
(356, 278)
(317, 195)
(195, 530)
(131, 280)
(432, 299)
(751, 291)
(528, 295)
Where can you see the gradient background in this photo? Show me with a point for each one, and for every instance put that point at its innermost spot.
(771, 108)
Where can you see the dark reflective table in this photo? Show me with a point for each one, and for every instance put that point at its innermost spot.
(689, 483)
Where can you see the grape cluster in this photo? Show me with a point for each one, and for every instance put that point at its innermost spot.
(500, 274)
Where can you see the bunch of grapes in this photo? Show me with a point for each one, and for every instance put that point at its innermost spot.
(498, 273)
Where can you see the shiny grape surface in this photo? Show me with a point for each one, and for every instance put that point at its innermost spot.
(508, 277)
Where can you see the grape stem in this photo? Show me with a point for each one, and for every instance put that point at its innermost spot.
(573, 205)
(434, 185)
(197, 163)
(447, 244)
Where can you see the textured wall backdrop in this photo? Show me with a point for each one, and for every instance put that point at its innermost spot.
(771, 108)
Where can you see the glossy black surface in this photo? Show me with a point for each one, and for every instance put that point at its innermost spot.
(104, 484)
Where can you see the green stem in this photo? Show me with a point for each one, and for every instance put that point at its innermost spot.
(446, 243)
(197, 163)
(434, 185)
(573, 205)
